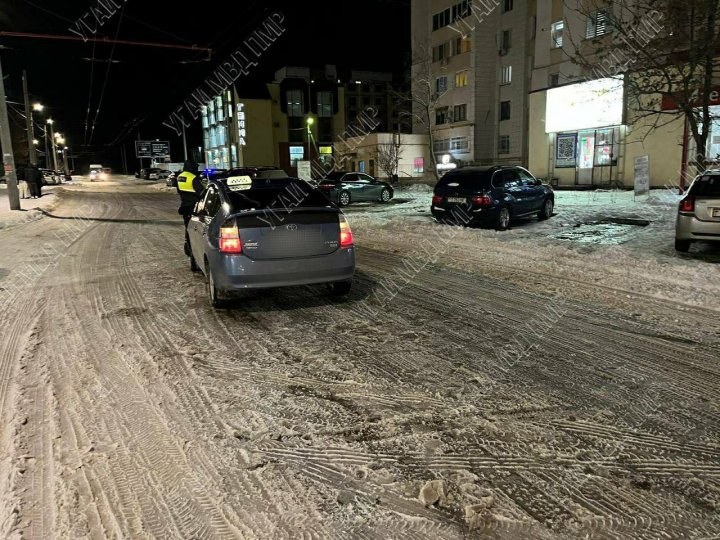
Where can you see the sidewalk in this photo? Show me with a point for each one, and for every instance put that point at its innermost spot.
(30, 207)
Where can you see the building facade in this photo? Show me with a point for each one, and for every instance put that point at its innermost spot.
(363, 154)
(476, 57)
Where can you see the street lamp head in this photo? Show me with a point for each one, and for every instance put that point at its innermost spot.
(50, 121)
(36, 142)
(61, 141)
(310, 121)
(38, 107)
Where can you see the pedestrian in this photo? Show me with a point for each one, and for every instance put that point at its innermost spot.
(189, 187)
(23, 187)
(34, 178)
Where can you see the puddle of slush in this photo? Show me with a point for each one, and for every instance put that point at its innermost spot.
(598, 233)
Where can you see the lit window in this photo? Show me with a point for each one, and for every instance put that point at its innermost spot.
(504, 110)
(506, 75)
(556, 34)
(504, 144)
(459, 144)
(297, 153)
(461, 45)
(418, 165)
(461, 79)
(598, 23)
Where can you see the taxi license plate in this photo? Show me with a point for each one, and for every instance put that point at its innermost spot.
(457, 200)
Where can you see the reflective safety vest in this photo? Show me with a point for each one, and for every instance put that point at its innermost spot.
(185, 182)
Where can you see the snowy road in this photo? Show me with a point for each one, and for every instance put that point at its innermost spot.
(550, 390)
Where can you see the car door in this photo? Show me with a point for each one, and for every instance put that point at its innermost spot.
(195, 227)
(512, 186)
(533, 191)
(371, 187)
(351, 182)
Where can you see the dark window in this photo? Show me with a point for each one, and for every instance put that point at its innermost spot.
(504, 144)
(460, 113)
(507, 5)
(325, 104)
(504, 110)
(510, 179)
(441, 116)
(295, 103)
(526, 178)
(467, 179)
(278, 194)
(707, 186)
(212, 202)
(506, 40)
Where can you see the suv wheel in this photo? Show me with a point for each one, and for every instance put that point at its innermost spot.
(683, 246)
(503, 219)
(344, 198)
(385, 195)
(547, 210)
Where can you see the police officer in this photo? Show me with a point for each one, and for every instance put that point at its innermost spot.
(189, 187)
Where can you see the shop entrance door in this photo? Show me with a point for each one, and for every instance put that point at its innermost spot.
(586, 154)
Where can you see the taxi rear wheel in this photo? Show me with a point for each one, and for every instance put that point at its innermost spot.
(217, 299)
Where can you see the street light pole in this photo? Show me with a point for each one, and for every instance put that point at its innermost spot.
(29, 121)
(47, 149)
(6, 141)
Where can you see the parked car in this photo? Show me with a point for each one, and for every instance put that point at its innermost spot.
(171, 180)
(699, 212)
(48, 177)
(491, 196)
(348, 187)
(244, 235)
(141, 173)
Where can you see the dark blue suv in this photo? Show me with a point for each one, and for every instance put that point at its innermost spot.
(490, 196)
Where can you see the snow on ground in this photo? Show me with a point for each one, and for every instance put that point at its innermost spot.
(129, 408)
(609, 238)
(32, 209)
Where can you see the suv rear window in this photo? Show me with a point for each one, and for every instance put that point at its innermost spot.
(467, 179)
(707, 186)
(278, 195)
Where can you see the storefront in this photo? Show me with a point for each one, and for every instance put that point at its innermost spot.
(583, 125)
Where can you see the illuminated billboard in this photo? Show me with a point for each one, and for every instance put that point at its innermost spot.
(586, 105)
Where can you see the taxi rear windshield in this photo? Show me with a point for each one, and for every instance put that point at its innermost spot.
(277, 196)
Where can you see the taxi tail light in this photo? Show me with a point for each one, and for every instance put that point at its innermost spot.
(230, 241)
(346, 235)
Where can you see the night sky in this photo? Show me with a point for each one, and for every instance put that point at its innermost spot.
(142, 86)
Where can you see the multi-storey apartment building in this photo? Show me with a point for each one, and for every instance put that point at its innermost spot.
(508, 88)
(477, 55)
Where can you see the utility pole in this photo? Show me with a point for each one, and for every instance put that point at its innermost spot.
(29, 121)
(47, 150)
(52, 143)
(6, 141)
(184, 144)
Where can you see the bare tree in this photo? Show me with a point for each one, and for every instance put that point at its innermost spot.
(667, 52)
(423, 97)
(388, 155)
